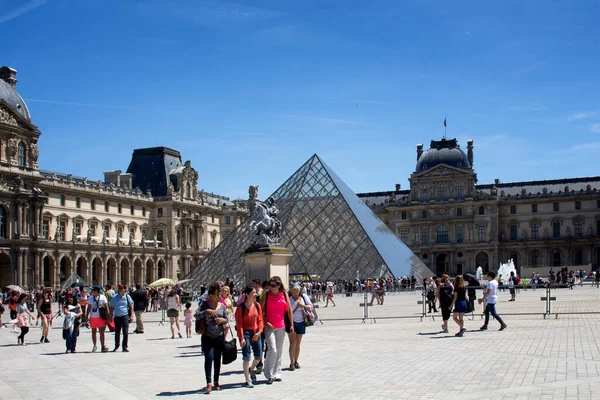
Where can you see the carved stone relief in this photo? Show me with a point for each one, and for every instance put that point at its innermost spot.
(7, 117)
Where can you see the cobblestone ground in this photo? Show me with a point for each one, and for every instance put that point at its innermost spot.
(387, 357)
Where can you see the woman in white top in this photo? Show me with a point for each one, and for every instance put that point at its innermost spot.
(299, 302)
(173, 305)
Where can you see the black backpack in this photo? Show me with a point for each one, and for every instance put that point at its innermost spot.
(446, 294)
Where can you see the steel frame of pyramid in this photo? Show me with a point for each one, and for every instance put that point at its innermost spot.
(330, 231)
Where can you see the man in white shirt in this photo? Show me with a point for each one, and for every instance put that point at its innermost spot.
(490, 296)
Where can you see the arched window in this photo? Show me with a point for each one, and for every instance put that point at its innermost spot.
(442, 234)
(460, 190)
(21, 154)
(2, 223)
(424, 194)
(441, 192)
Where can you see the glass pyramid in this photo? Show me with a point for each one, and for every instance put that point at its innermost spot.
(331, 232)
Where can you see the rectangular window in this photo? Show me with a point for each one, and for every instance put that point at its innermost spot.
(212, 218)
(460, 234)
(513, 232)
(62, 227)
(533, 208)
(160, 237)
(93, 204)
(578, 205)
(481, 234)
(535, 231)
(77, 202)
(425, 236)
(77, 228)
(132, 210)
(481, 210)
(160, 212)
(227, 220)
(106, 229)
(556, 229)
(535, 258)
(93, 228)
(513, 209)
(404, 236)
(424, 195)
(579, 228)
(442, 235)
(403, 214)
(45, 228)
(556, 206)
(459, 212)
(106, 206)
(119, 208)
(120, 231)
(143, 211)
(460, 191)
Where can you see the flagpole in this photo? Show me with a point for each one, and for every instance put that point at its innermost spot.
(445, 127)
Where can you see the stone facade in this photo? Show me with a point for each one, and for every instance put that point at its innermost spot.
(107, 231)
(455, 225)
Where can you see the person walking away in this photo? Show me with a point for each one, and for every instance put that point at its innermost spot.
(329, 292)
(44, 307)
(97, 318)
(121, 307)
(275, 305)
(460, 304)
(299, 302)
(22, 318)
(214, 315)
(249, 326)
(512, 283)
(491, 296)
(173, 306)
(72, 312)
(140, 302)
(187, 319)
(445, 295)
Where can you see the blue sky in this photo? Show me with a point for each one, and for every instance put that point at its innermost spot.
(249, 90)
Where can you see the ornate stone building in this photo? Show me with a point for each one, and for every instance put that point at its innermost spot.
(454, 225)
(139, 226)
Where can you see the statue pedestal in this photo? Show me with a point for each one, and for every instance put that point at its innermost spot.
(263, 263)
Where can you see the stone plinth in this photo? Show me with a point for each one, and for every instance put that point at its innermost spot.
(263, 263)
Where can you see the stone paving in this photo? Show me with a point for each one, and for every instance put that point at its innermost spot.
(534, 358)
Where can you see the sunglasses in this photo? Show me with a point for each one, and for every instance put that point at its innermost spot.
(274, 284)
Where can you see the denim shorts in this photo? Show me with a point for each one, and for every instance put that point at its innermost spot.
(299, 328)
(255, 346)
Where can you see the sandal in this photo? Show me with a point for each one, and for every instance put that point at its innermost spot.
(209, 388)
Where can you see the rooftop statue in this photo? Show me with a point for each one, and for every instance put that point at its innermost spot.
(266, 224)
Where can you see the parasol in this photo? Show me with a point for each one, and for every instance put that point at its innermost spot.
(15, 288)
(162, 282)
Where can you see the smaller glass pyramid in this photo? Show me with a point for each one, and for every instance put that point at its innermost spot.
(331, 232)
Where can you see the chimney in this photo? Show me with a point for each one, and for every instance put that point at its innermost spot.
(397, 187)
(470, 152)
(419, 151)
(9, 75)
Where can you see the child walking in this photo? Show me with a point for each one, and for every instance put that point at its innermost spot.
(188, 319)
(22, 320)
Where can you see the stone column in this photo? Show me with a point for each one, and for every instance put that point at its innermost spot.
(19, 267)
(40, 219)
(103, 270)
(37, 267)
(155, 268)
(143, 271)
(18, 218)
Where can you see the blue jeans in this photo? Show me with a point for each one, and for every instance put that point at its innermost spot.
(70, 339)
(491, 309)
(256, 347)
(212, 349)
(121, 324)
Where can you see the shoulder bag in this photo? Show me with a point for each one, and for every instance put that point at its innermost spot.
(310, 316)
(229, 348)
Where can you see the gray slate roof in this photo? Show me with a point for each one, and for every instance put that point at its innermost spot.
(14, 100)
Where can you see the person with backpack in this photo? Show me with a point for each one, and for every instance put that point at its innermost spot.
(512, 282)
(249, 326)
(445, 296)
(98, 314)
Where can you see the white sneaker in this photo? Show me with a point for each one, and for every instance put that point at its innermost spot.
(249, 384)
(94, 349)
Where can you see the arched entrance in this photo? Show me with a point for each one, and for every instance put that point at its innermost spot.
(150, 271)
(125, 267)
(137, 271)
(48, 271)
(161, 269)
(82, 269)
(96, 271)
(482, 260)
(5, 270)
(65, 269)
(111, 272)
(556, 257)
(441, 264)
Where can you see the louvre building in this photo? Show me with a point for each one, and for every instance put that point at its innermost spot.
(453, 224)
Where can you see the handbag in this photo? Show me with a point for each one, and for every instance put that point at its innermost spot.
(310, 316)
(111, 325)
(101, 310)
(230, 349)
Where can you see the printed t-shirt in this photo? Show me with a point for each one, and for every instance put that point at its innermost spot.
(95, 303)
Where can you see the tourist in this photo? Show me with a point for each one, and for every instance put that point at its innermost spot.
(83, 302)
(1, 311)
(108, 292)
(249, 325)
(97, 314)
(491, 296)
(13, 301)
(71, 300)
(501, 283)
(228, 300)
(275, 305)
(173, 306)
(329, 293)
(460, 304)
(39, 295)
(214, 316)
(187, 319)
(70, 331)
(445, 295)
(431, 291)
(140, 302)
(512, 283)
(22, 318)
(299, 302)
(44, 307)
(121, 307)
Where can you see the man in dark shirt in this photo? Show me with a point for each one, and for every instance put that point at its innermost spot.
(139, 305)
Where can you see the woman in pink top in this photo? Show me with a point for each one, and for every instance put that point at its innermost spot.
(275, 304)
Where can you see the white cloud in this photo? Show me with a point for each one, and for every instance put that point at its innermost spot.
(595, 128)
(581, 148)
(581, 115)
(22, 10)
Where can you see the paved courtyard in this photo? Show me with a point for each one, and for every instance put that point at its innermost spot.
(347, 359)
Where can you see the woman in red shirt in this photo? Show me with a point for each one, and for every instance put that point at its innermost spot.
(275, 304)
(249, 326)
